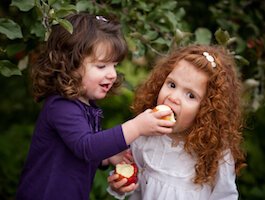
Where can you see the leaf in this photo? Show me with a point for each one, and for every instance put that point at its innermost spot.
(8, 69)
(161, 41)
(23, 5)
(168, 6)
(50, 2)
(172, 19)
(241, 60)
(63, 12)
(83, 5)
(203, 36)
(68, 7)
(38, 30)
(180, 35)
(9, 28)
(145, 7)
(222, 37)
(66, 24)
(150, 35)
(180, 14)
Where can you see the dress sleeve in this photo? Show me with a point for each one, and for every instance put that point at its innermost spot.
(115, 194)
(69, 121)
(137, 151)
(137, 155)
(225, 187)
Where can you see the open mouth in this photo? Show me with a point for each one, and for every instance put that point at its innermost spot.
(175, 115)
(105, 86)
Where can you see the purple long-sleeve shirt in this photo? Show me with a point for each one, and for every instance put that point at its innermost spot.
(67, 148)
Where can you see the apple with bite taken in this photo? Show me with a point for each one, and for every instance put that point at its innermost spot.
(128, 171)
(170, 117)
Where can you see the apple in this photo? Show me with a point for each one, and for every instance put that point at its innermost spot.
(170, 117)
(128, 171)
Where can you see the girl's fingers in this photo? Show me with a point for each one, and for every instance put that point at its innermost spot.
(164, 130)
(148, 110)
(129, 188)
(113, 177)
(128, 161)
(161, 114)
(118, 184)
(166, 123)
(128, 158)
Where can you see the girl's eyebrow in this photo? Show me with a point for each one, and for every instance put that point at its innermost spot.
(105, 62)
(169, 78)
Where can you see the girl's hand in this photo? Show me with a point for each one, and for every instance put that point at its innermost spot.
(151, 123)
(147, 123)
(118, 186)
(124, 156)
(128, 157)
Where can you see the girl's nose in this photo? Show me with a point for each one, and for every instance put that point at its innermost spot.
(174, 99)
(112, 74)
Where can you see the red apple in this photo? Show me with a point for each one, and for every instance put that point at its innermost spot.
(170, 117)
(128, 171)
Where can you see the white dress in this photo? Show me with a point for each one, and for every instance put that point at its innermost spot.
(166, 173)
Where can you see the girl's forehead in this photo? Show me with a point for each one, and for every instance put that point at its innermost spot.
(102, 51)
(188, 73)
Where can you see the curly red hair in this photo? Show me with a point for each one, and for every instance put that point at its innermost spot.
(218, 124)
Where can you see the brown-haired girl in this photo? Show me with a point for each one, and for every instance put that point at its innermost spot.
(203, 155)
(73, 72)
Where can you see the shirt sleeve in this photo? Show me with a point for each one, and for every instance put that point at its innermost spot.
(225, 187)
(69, 121)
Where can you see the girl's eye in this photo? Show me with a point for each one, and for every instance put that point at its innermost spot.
(191, 96)
(100, 66)
(171, 84)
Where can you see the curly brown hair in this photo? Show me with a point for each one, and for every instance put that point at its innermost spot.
(218, 124)
(55, 71)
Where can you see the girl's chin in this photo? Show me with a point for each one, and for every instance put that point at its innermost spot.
(177, 129)
(101, 96)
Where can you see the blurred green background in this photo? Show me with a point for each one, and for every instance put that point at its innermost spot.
(151, 28)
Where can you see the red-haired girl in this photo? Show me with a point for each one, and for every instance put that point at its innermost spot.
(203, 155)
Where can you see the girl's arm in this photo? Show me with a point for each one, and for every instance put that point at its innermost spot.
(67, 118)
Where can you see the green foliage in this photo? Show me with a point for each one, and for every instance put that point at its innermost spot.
(8, 69)
(10, 28)
(23, 5)
(14, 148)
(152, 28)
(251, 182)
